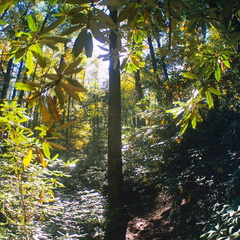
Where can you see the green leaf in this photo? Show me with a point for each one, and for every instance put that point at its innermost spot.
(53, 25)
(89, 45)
(3, 22)
(40, 59)
(46, 149)
(189, 75)
(183, 128)
(194, 122)
(217, 73)
(31, 23)
(209, 99)
(24, 86)
(138, 36)
(227, 63)
(4, 6)
(214, 91)
(80, 42)
(29, 62)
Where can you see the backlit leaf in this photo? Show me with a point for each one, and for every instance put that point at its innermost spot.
(209, 99)
(189, 75)
(31, 23)
(214, 91)
(45, 113)
(217, 73)
(53, 109)
(46, 149)
(27, 158)
(24, 86)
(60, 95)
(41, 157)
(4, 6)
(194, 122)
(29, 62)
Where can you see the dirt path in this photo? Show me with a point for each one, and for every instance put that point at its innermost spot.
(155, 226)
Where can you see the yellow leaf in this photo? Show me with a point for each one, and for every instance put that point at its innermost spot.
(41, 157)
(27, 158)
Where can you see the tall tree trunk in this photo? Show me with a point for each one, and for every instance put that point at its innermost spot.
(154, 62)
(116, 217)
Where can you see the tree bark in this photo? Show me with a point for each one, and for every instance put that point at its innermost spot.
(116, 216)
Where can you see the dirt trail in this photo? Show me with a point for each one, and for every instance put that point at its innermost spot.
(154, 226)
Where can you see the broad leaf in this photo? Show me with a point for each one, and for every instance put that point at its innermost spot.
(77, 86)
(24, 86)
(209, 99)
(58, 39)
(89, 45)
(57, 146)
(80, 42)
(27, 158)
(70, 92)
(65, 125)
(31, 23)
(60, 95)
(214, 91)
(189, 75)
(46, 149)
(53, 25)
(53, 109)
(41, 157)
(217, 73)
(29, 62)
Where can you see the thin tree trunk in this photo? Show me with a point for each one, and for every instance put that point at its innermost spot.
(7, 78)
(116, 217)
(154, 62)
(139, 97)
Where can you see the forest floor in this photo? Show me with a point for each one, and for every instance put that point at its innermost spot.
(155, 225)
